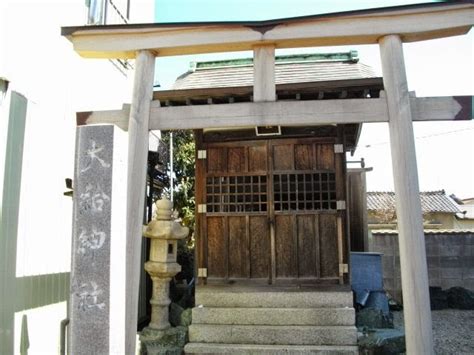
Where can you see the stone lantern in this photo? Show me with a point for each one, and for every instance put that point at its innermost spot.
(162, 266)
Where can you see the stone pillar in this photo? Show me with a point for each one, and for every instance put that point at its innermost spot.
(97, 299)
(162, 266)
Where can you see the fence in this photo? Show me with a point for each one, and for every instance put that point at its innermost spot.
(450, 256)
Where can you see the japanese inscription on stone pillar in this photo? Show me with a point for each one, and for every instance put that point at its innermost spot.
(90, 280)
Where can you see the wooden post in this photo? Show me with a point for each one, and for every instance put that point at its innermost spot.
(415, 289)
(264, 88)
(136, 183)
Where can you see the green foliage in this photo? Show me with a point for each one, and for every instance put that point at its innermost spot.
(184, 169)
(184, 200)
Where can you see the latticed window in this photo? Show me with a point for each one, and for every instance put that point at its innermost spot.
(236, 194)
(304, 191)
(291, 192)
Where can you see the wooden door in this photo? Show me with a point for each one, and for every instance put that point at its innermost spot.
(303, 209)
(270, 212)
(235, 227)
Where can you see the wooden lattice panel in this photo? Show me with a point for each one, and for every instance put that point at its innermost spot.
(304, 191)
(236, 194)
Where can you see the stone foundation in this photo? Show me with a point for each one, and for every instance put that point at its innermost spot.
(170, 341)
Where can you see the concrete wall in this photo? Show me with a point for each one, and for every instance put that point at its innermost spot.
(467, 223)
(450, 257)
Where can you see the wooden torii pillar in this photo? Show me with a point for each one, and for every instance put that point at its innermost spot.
(411, 237)
(138, 128)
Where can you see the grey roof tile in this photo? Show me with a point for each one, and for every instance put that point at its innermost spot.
(285, 73)
(431, 201)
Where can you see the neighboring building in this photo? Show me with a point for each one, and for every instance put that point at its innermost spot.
(439, 210)
(447, 240)
(465, 219)
(43, 83)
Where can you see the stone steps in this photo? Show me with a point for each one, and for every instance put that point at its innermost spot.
(274, 316)
(273, 335)
(272, 320)
(285, 298)
(240, 349)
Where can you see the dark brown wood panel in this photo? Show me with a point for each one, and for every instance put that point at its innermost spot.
(283, 157)
(328, 245)
(286, 244)
(259, 247)
(200, 228)
(216, 160)
(304, 156)
(257, 156)
(216, 244)
(325, 156)
(307, 239)
(238, 248)
(236, 159)
(270, 193)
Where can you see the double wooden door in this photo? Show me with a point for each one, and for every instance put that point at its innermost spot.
(270, 211)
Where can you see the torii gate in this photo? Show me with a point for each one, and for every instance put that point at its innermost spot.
(387, 27)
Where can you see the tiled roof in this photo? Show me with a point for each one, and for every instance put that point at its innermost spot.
(287, 71)
(426, 231)
(431, 201)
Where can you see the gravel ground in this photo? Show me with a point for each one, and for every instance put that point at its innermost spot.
(453, 331)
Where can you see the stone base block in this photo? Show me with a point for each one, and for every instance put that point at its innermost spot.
(284, 298)
(240, 349)
(274, 335)
(274, 316)
(163, 342)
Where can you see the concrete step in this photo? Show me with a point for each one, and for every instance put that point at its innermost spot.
(272, 298)
(240, 349)
(273, 335)
(274, 316)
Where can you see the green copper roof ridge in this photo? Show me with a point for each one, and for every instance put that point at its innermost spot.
(350, 56)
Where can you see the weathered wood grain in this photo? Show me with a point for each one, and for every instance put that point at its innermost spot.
(236, 158)
(284, 113)
(259, 247)
(216, 247)
(283, 156)
(264, 73)
(238, 248)
(277, 113)
(304, 157)
(257, 157)
(328, 245)
(285, 244)
(416, 301)
(306, 246)
(138, 127)
(325, 156)
(216, 160)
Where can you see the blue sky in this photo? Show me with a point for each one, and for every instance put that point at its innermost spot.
(443, 67)
(244, 10)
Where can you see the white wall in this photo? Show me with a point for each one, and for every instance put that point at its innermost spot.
(41, 65)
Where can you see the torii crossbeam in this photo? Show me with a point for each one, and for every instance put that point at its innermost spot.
(387, 27)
